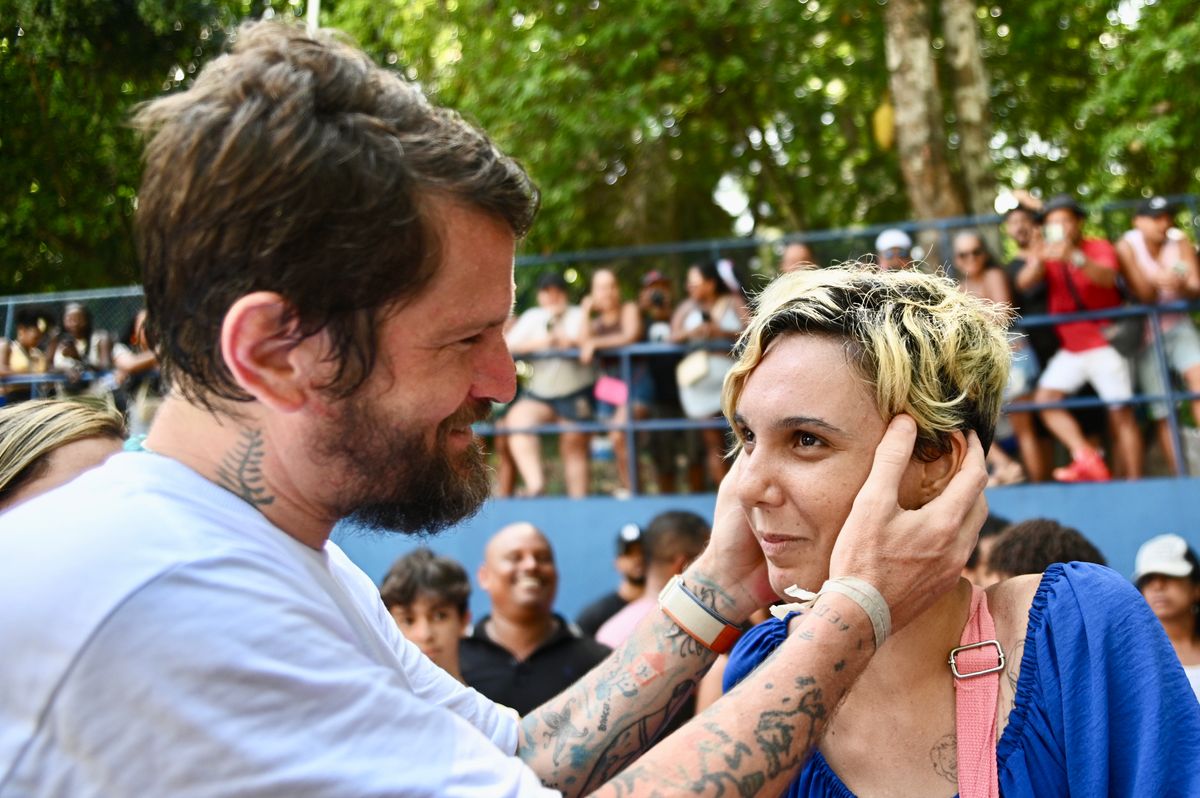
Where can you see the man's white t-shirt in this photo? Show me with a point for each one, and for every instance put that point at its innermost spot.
(161, 637)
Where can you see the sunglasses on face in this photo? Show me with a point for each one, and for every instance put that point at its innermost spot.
(895, 252)
(969, 253)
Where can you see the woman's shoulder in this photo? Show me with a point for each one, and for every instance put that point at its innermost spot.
(1010, 601)
(1074, 589)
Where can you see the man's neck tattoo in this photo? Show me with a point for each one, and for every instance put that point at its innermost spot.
(240, 471)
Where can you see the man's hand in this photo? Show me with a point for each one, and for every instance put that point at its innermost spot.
(1058, 250)
(733, 560)
(911, 556)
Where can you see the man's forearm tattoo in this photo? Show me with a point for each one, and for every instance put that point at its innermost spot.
(784, 736)
(240, 471)
(713, 595)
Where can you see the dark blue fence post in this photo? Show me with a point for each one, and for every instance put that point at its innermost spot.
(1169, 392)
(631, 449)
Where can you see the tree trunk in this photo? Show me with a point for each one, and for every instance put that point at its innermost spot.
(970, 103)
(920, 139)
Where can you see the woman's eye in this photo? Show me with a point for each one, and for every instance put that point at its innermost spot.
(807, 439)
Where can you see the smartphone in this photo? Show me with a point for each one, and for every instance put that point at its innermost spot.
(1053, 233)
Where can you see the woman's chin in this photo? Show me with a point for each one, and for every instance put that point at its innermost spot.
(783, 578)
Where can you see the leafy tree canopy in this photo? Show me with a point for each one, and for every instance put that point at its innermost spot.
(629, 113)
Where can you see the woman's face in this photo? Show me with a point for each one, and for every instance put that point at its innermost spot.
(698, 288)
(810, 426)
(1170, 597)
(28, 337)
(75, 321)
(969, 255)
(606, 294)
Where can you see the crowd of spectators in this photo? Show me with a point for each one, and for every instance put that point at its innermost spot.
(1059, 269)
(524, 651)
(68, 355)
(1055, 266)
(574, 377)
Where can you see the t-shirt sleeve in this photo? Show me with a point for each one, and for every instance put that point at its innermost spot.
(1110, 710)
(253, 693)
(427, 681)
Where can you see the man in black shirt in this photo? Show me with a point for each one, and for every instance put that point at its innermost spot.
(1026, 276)
(523, 654)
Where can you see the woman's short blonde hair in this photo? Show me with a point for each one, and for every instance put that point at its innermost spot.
(928, 348)
(31, 430)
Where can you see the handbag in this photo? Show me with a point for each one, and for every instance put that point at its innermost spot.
(1124, 334)
(692, 368)
(612, 390)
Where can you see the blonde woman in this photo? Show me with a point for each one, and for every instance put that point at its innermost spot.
(45, 443)
(1066, 670)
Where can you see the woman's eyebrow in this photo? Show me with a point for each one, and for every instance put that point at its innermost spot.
(795, 422)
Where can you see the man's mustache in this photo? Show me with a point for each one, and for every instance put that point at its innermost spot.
(470, 413)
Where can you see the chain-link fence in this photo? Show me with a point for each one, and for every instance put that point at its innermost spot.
(111, 309)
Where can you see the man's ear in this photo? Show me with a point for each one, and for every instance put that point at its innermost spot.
(265, 352)
(937, 474)
(483, 576)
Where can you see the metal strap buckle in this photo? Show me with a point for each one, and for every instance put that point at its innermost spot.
(981, 644)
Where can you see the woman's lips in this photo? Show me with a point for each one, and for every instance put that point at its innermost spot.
(774, 545)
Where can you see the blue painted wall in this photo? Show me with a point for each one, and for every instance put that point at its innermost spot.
(1116, 516)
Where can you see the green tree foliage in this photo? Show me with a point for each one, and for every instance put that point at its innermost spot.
(1146, 106)
(627, 112)
(70, 71)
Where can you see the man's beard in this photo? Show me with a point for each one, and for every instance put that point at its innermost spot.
(392, 480)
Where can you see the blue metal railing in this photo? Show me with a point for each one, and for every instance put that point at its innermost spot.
(628, 355)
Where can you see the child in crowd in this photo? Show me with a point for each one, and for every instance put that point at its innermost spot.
(427, 595)
(1167, 572)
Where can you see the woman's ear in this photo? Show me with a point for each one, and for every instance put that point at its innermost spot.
(923, 482)
(939, 472)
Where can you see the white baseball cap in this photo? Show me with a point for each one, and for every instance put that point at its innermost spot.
(1166, 555)
(893, 239)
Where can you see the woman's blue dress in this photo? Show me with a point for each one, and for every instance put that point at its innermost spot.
(1102, 704)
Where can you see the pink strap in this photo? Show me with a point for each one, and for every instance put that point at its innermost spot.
(975, 704)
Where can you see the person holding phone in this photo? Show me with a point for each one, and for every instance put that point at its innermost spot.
(1159, 265)
(1081, 274)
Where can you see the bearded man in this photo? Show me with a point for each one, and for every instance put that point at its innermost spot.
(328, 266)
